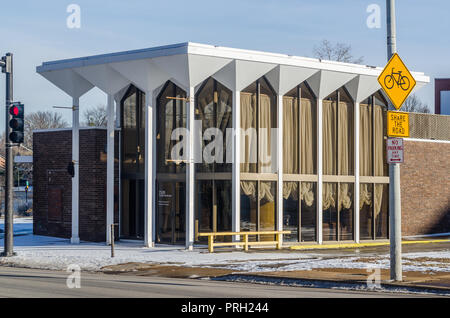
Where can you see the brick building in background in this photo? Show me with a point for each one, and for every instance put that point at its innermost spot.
(52, 152)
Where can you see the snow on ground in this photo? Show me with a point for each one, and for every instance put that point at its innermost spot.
(56, 253)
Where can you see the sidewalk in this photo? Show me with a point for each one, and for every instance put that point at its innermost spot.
(425, 266)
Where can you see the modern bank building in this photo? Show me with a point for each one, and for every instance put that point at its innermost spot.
(306, 152)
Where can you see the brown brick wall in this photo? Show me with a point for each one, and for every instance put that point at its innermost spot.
(425, 188)
(52, 151)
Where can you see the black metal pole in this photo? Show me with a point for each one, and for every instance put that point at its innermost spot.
(8, 250)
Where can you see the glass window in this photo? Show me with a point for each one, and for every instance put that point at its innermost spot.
(308, 211)
(365, 211)
(214, 109)
(214, 207)
(258, 117)
(267, 206)
(346, 211)
(224, 208)
(171, 115)
(133, 132)
(249, 206)
(381, 211)
(329, 214)
(371, 141)
(299, 141)
(291, 211)
(338, 134)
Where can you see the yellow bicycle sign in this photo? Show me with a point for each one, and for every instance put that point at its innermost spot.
(397, 78)
(396, 81)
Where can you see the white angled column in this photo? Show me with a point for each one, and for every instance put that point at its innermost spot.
(236, 166)
(356, 192)
(154, 165)
(75, 239)
(110, 167)
(280, 164)
(190, 165)
(148, 170)
(319, 171)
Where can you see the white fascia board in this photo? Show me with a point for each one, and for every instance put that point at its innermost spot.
(222, 52)
(284, 59)
(148, 53)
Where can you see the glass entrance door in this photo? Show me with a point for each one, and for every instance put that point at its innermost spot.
(171, 212)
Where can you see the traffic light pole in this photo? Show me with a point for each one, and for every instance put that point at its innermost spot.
(8, 248)
(395, 207)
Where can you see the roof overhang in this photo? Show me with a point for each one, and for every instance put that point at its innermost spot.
(188, 64)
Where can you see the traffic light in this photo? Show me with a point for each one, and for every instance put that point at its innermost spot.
(16, 122)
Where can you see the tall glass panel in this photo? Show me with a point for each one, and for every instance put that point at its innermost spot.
(224, 122)
(205, 205)
(381, 211)
(291, 211)
(165, 207)
(258, 117)
(224, 209)
(329, 214)
(206, 113)
(249, 206)
(329, 130)
(366, 211)
(171, 115)
(346, 211)
(308, 211)
(308, 135)
(130, 140)
(267, 208)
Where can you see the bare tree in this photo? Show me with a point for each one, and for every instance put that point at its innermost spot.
(41, 120)
(339, 52)
(95, 116)
(414, 105)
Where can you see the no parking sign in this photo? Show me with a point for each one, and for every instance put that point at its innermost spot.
(394, 149)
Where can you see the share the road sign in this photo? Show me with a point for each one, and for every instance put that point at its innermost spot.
(397, 124)
(396, 81)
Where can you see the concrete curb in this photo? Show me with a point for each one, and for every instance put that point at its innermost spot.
(326, 283)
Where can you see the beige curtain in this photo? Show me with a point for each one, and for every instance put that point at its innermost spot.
(290, 135)
(344, 150)
(248, 142)
(371, 154)
(307, 136)
(265, 134)
(378, 157)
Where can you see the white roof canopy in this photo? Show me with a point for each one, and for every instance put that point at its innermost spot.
(189, 64)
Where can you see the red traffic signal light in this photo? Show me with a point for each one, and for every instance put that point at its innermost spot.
(16, 122)
(14, 110)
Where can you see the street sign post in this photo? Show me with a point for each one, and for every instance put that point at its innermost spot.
(397, 124)
(396, 81)
(394, 150)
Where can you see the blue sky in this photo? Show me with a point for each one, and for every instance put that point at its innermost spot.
(36, 31)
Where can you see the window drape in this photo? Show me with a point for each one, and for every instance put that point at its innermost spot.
(297, 138)
(249, 156)
(371, 153)
(333, 128)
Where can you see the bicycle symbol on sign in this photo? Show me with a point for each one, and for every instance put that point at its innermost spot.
(402, 81)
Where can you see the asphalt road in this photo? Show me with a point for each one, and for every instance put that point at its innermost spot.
(20, 282)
